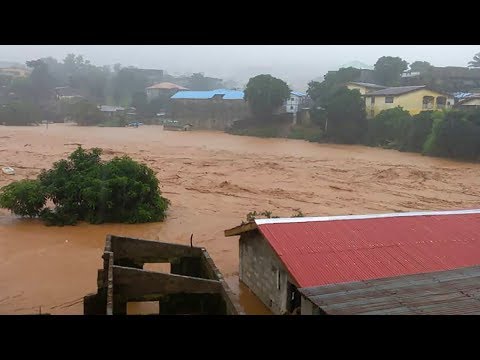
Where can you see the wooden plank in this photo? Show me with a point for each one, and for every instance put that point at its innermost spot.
(237, 230)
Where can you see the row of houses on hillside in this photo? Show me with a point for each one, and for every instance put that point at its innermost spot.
(402, 263)
(414, 99)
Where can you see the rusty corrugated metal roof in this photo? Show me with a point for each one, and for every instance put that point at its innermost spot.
(329, 250)
(452, 292)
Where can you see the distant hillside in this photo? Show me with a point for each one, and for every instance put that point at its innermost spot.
(357, 65)
(8, 64)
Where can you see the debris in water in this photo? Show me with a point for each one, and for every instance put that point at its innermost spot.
(8, 170)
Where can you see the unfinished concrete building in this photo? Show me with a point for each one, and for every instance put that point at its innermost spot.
(193, 286)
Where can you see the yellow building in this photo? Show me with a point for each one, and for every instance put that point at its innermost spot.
(364, 87)
(414, 99)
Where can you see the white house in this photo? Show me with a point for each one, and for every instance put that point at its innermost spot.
(292, 105)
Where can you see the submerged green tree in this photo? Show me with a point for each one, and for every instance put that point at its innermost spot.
(85, 188)
(265, 94)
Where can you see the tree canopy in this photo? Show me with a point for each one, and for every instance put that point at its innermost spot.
(265, 94)
(420, 66)
(388, 70)
(85, 188)
(346, 118)
(320, 92)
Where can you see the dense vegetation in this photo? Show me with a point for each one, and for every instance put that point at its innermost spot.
(85, 188)
(97, 85)
(451, 133)
(265, 94)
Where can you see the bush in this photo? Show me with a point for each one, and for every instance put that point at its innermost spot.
(389, 128)
(455, 135)
(309, 133)
(24, 197)
(114, 121)
(20, 114)
(420, 128)
(84, 187)
(85, 113)
(263, 132)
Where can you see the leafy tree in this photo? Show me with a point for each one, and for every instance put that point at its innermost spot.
(320, 92)
(388, 70)
(265, 94)
(140, 102)
(85, 113)
(127, 82)
(420, 128)
(346, 118)
(475, 63)
(41, 80)
(24, 197)
(20, 114)
(420, 66)
(454, 135)
(85, 188)
(389, 128)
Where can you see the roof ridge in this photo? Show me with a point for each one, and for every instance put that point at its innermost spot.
(362, 217)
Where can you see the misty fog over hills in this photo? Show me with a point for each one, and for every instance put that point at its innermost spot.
(235, 64)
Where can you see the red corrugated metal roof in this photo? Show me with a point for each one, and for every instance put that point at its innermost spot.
(343, 250)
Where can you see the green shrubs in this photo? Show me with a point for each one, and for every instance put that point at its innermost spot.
(451, 133)
(420, 128)
(309, 133)
(20, 114)
(85, 188)
(455, 134)
(263, 132)
(389, 129)
(24, 197)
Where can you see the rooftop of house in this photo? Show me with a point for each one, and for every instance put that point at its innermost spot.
(298, 93)
(167, 86)
(367, 85)
(451, 292)
(108, 108)
(468, 98)
(226, 94)
(66, 91)
(338, 249)
(396, 90)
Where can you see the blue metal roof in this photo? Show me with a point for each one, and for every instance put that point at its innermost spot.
(298, 93)
(227, 94)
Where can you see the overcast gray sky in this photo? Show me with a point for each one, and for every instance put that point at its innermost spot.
(295, 63)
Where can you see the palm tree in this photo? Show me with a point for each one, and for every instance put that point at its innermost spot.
(475, 63)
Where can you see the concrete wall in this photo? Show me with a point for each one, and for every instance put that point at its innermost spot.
(309, 308)
(211, 114)
(412, 102)
(195, 284)
(262, 271)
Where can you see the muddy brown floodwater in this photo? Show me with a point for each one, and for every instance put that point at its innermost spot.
(213, 180)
